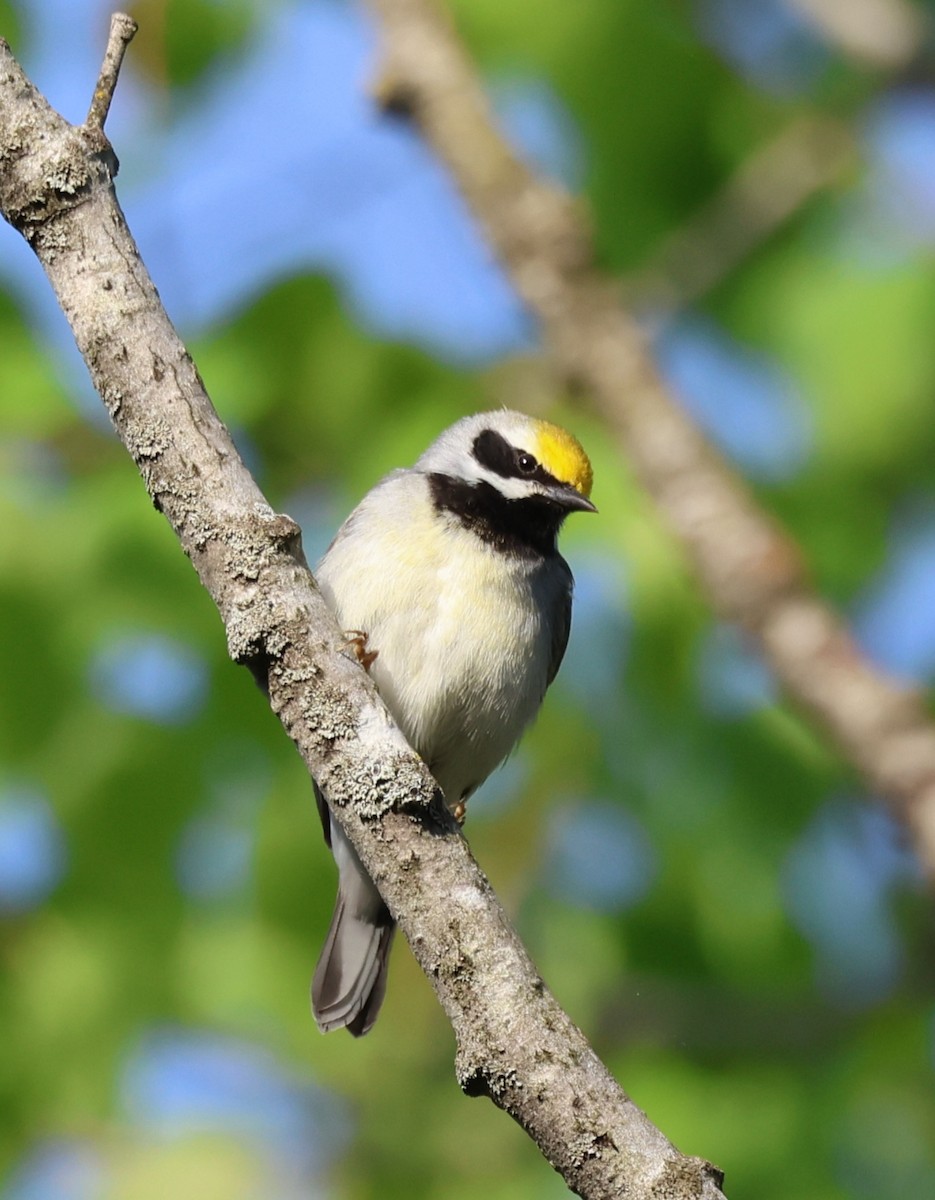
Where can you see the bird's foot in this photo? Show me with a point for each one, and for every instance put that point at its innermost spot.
(357, 639)
(459, 812)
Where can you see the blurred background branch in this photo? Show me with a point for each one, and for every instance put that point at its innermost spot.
(752, 570)
(771, 185)
(883, 33)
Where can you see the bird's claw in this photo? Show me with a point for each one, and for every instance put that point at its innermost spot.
(357, 639)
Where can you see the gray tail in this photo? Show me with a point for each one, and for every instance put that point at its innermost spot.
(350, 979)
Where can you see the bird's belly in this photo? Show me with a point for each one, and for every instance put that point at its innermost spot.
(462, 671)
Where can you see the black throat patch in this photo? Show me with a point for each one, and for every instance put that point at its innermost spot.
(526, 528)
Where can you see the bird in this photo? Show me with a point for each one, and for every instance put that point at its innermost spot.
(448, 581)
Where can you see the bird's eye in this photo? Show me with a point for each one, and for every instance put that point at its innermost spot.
(526, 463)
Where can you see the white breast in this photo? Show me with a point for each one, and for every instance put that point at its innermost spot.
(462, 649)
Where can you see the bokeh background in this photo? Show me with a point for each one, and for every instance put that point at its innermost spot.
(710, 892)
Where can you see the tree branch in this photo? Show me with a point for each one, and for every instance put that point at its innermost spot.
(515, 1045)
(751, 568)
(122, 32)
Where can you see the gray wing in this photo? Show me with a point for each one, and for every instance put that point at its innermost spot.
(561, 624)
(324, 812)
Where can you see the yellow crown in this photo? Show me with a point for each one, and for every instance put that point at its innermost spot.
(563, 456)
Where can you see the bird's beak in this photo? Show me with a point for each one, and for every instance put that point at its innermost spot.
(570, 499)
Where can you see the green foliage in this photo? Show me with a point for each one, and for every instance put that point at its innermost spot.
(664, 120)
(182, 39)
(704, 996)
(9, 22)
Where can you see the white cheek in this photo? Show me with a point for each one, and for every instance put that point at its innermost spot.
(512, 489)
